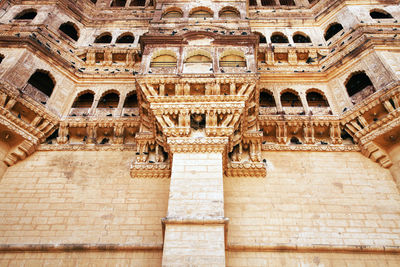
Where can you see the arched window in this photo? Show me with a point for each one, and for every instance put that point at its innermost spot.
(268, 2)
(279, 38)
(232, 61)
(316, 99)
(332, 30)
(131, 101)
(27, 14)
(201, 13)
(229, 13)
(287, 2)
(290, 99)
(125, 38)
(359, 86)
(173, 13)
(267, 99)
(380, 14)
(118, 3)
(301, 38)
(198, 59)
(139, 3)
(109, 100)
(163, 58)
(104, 38)
(70, 29)
(84, 100)
(42, 81)
(262, 38)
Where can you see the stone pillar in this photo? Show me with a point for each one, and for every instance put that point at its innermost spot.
(4, 149)
(195, 224)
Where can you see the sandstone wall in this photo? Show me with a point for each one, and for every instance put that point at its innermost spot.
(312, 199)
(80, 197)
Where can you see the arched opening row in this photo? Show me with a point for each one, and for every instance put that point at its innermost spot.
(85, 104)
(168, 58)
(290, 102)
(130, 3)
(280, 38)
(228, 12)
(273, 3)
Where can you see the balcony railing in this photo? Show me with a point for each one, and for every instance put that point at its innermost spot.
(35, 93)
(162, 64)
(232, 63)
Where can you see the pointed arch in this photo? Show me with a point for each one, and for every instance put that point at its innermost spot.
(43, 81)
(70, 29)
(332, 30)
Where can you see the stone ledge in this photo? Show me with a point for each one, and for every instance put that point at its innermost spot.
(289, 247)
(77, 247)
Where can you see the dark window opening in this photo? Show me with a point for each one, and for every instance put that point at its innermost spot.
(253, 2)
(380, 14)
(70, 29)
(84, 101)
(315, 99)
(125, 39)
(103, 39)
(28, 14)
(279, 39)
(268, 2)
(42, 81)
(289, 99)
(138, 2)
(94, 1)
(131, 101)
(118, 3)
(262, 38)
(1, 58)
(302, 39)
(110, 100)
(287, 2)
(357, 83)
(333, 30)
(267, 100)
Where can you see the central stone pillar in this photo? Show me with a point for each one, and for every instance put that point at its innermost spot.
(195, 224)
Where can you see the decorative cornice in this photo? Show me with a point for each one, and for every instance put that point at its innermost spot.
(150, 170)
(246, 169)
(196, 145)
(316, 148)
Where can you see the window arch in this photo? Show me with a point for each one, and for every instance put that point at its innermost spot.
(380, 14)
(315, 98)
(118, 3)
(301, 38)
(173, 12)
(84, 100)
(198, 56)
(232, 58)
(104, 38)
(279, 38)
(27, 14)
(110, 99)
(262, 38)
(359, 86)
(163, 58)
(42, 81)
(267, 99)
(131, 100)
(70, 29)
(229, 12)
(290, 98)
(332, 30)
(201, 12)
(125, 38)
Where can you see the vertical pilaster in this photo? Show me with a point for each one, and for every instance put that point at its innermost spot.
(195, 224)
